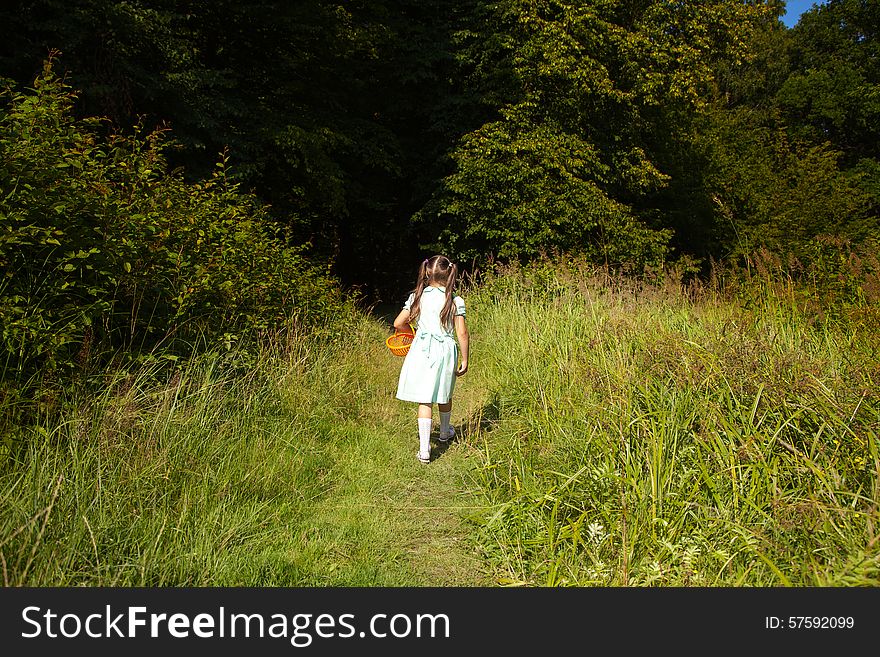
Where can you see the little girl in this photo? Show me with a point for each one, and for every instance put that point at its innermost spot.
(429, 369)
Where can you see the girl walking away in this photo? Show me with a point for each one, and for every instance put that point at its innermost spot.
(432, 363)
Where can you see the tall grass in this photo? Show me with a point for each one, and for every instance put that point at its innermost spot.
(611, 432)
(638, 434)
(210, 479)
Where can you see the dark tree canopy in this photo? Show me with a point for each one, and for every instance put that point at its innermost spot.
(378, 132)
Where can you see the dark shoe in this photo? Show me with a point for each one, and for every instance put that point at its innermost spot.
(449, 436)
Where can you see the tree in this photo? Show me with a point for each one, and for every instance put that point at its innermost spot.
(784, 161)
(586, 94)
(833, 91)
(327, 108)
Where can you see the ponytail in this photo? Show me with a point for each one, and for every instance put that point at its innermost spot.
(447, 315)
(421, 282)
(437, 268)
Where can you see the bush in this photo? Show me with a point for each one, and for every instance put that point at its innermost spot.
(103, 250)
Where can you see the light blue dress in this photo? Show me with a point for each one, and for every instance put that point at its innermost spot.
(428, 372)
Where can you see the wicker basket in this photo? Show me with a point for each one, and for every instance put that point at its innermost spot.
(399, 343)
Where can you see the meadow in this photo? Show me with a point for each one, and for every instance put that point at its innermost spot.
(669, 435)
(612, 432)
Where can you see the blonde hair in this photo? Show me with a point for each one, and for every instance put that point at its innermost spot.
(440, 270)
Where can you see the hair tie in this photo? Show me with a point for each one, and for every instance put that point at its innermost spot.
(425, 261)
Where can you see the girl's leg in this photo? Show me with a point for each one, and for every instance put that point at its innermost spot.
(445, 413)
(425, 412)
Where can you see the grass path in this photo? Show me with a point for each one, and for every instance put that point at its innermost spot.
(389, 520)
(618, 439)
(302, 472)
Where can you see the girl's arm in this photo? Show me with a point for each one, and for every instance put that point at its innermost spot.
(463, 342)
(401, 322)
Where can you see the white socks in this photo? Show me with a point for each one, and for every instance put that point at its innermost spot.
(444, 425)
(425, 436)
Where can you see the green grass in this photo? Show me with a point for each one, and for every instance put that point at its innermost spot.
(301, 472)
(611, 433)
(658, 436)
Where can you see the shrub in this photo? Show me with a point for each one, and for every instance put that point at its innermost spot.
(103, 249)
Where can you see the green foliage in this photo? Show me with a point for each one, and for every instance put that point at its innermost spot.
(774, 191)
(102, 249)
(835, 282)
(627, 132)
(611, 432)
(517, 195)
(752, 171)
(289, 469)
(589, 93)
(642, 435)
(330, 110)
(833, 91)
